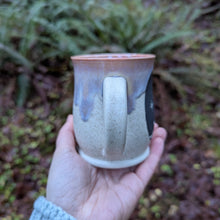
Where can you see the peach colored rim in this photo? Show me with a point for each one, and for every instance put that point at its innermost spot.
(113, 56)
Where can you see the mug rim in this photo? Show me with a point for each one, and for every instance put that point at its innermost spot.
(112, 57)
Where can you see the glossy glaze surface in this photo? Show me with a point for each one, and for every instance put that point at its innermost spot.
(89, 75)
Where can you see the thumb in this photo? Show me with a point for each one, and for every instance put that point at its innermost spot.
(65, 141)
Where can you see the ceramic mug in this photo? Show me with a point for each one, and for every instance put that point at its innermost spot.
(113, 108)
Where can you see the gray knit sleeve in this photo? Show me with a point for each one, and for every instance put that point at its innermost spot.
(45, 210)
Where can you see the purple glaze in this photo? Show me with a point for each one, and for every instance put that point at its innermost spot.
(89, 76)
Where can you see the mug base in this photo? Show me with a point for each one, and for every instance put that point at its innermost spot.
(117, 164)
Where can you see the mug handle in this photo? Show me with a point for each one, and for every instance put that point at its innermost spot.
(115, 115)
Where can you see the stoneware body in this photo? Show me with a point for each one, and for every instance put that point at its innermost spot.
(113, 108)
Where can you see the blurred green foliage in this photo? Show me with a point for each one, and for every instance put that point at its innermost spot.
(23, 146)
(33, 31)
(216, 172)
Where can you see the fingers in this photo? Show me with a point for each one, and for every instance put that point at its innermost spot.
(155, 125)
(147, 168)
(65, 140)
(159, 132)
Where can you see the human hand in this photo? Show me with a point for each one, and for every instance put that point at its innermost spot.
(87, 192)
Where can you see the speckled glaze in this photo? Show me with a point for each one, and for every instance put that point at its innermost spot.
(90, 71)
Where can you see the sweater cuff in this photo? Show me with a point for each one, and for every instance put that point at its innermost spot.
(45, 210)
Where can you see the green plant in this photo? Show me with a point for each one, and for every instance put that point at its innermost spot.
(216, 173)
(59, 29)
(23, 146)
(165, 168)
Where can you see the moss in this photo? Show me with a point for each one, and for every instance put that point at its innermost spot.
(165, 168)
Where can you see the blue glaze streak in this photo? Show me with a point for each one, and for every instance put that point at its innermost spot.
(88, 78)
